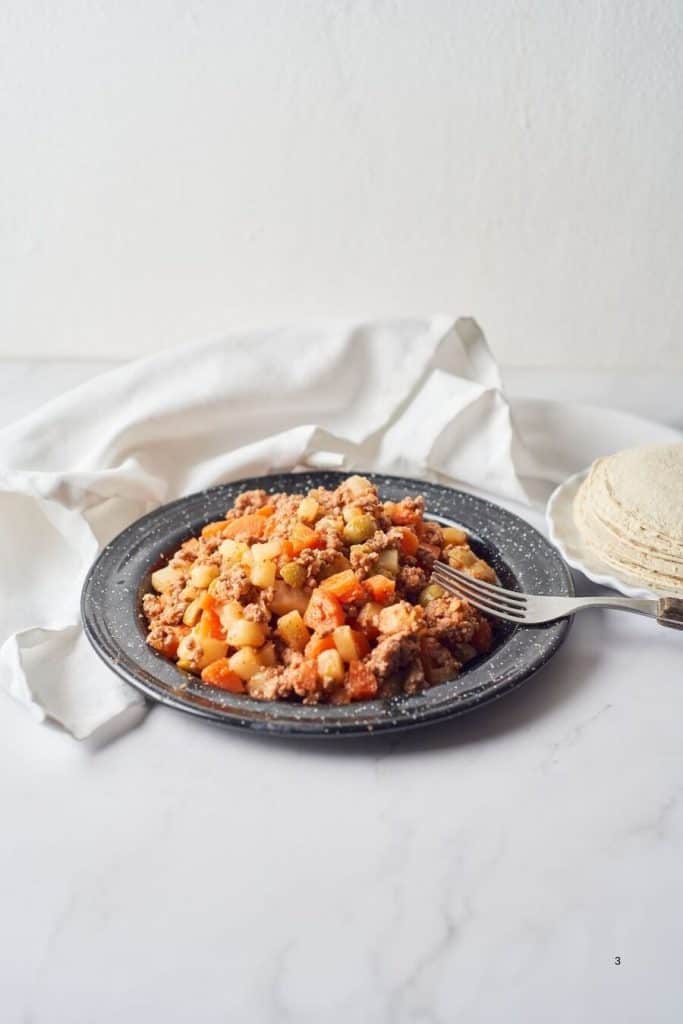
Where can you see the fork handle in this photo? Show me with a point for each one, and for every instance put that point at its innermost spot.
(668, 611)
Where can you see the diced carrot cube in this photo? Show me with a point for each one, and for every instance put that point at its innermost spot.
(381, 589)
(286, 551)
(249, 527)
(324, 612)
(214, 529)
(303, 537)
(265, 511)
(219, 674)
(210, 625)
(345, 586)
(401, 514)
(316, 645)
(409, 541)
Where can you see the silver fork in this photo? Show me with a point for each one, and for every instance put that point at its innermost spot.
(527, 609)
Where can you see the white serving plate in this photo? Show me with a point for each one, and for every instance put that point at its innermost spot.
(565, 535)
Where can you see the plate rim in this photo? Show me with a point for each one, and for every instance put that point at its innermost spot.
(452, 707)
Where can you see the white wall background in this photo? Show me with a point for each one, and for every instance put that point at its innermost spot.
(171, 169)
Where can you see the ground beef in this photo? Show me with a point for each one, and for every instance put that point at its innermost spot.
(411, 580)
(327, 500)
(286, 509)
(152, 605)
(465, 652)
(248, 502)
(430, 533)
(265, 685)
(256, 612)
(234, 585)
(378, 542)
(329, 528)
(297, 678)
(192, 651)
(357, 491)
(410, 508)
(450, 620)
(439, 663)
(209, 553)
(314, 561)
(165, 639)
(186, 555)
(364, 557)
(363, 561)
(165, 609)
(285, 654)
(396, 663)
(425, 559)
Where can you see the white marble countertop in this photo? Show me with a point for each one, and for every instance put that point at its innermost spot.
(490, 869)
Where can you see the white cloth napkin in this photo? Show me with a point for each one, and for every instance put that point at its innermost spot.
(421, 397)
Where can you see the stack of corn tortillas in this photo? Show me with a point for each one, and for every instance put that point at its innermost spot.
(629, 511)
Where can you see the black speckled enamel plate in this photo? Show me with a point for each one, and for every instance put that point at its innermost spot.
(115, 626)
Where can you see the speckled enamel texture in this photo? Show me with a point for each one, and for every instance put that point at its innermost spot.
(115, 626)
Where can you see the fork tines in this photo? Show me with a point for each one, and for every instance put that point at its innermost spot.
(504, 604)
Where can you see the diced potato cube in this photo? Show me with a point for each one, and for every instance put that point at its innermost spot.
(461, 558)
(345, 642)
(230, 612)
(430, 593)
(330, 667)
(193, 612)
(219, 674)
(165, 579)
(262, 685)
(339, 564)
(399, 618)
(288, 599)
(293, 630)
(202, 575)
(293, 574)
(387, 563)
(330, 524)
(308, 511)
(482, 571)
(245, 663)
(453, 535)
(245, 633)
(267, 551)
(247, 559)
(350, 512)
(186, 648)
(368, 618)
(359, 529)
(357, 485)
(210, 649)
(231, 551)
(262, 574)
